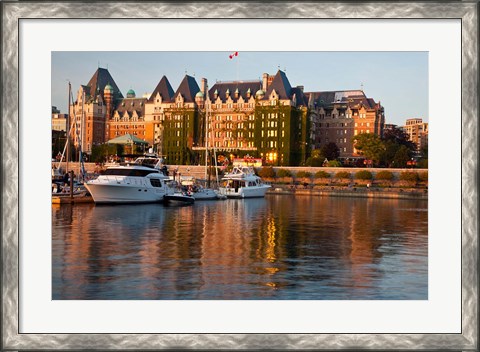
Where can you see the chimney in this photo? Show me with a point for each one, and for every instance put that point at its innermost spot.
(203, 86)
(301, 88)
(265, 82)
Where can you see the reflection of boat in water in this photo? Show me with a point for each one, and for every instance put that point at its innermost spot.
(144, 181)
(243, 183)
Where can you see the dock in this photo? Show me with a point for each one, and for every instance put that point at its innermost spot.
(74, 200)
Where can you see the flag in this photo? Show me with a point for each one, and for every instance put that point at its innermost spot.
(232, 55)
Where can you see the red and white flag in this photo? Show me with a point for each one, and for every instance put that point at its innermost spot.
(231, 56)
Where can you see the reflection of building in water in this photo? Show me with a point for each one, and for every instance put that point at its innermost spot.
(94, 249)
(226, 243)
(268, 248)
(364, 231)
(373, 229)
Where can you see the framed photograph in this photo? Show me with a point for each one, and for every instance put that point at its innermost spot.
(370, 96)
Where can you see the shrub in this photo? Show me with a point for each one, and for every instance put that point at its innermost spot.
(312, 161)
(322, 174)
(363, 175)
(384, 175)
(267, 172)
(409, 176)
(303, 174)
(423, 164)
(284, 173)
(423, 176)
(334, 163)
(342, 174)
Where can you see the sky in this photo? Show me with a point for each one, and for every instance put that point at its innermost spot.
(399, 80)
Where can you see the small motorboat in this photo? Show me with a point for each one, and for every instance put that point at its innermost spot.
(179, 198)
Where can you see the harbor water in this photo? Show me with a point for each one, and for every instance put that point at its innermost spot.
(279, 247)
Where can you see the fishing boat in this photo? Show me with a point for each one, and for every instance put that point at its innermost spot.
(144, 181)
(243, 183)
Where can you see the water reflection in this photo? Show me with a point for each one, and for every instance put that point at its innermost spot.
(280, 247)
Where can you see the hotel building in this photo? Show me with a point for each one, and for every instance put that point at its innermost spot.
(267, 118)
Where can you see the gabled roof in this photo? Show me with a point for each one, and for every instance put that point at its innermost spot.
(165, 90)
(188, 89)
(99, 80)
(301, 98)
(126, 105)
(281, 85)
(242, 86)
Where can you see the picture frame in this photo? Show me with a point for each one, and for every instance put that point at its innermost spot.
(13, 12)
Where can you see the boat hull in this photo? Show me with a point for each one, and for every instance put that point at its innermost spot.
(205, 194)
(245, 192)
(179, 199)
(112, 193)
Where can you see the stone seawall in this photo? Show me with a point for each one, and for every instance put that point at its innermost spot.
(378, 193)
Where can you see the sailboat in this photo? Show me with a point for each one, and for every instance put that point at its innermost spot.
(198, 191)
(61, 182)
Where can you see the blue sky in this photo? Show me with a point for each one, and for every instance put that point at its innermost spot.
(399, 80)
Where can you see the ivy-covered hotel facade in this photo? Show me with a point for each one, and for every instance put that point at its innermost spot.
(265, 118)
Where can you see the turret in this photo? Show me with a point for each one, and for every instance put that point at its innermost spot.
(108, 95)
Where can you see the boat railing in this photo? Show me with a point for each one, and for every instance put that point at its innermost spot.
(120, 180)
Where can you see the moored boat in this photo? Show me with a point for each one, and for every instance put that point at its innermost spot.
(144, 181)
(179, 198)
(198, 191)
(243, 183)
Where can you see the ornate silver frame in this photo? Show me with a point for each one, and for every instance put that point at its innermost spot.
(13, 11)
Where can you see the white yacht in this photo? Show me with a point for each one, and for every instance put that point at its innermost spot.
(143, 181)
(243, 183)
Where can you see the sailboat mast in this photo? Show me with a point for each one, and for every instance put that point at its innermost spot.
(68, 123)
(207, 116)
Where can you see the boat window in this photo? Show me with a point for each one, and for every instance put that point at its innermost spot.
(150, 162)
(129, 172)
(155, 182)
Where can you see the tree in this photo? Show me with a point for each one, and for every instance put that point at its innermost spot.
(400, 137)
(316, 158)
(370, 146)
(330, 151)
(401, 157)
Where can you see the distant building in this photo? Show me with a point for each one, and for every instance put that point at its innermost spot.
(338, 116)
(93, 108)
(127, 116)
(417, 132)
(59, 121)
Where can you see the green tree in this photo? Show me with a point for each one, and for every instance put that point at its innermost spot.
(399, 136)
(370, 146)
(316, 158)
(401, 157)
(330, 151)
